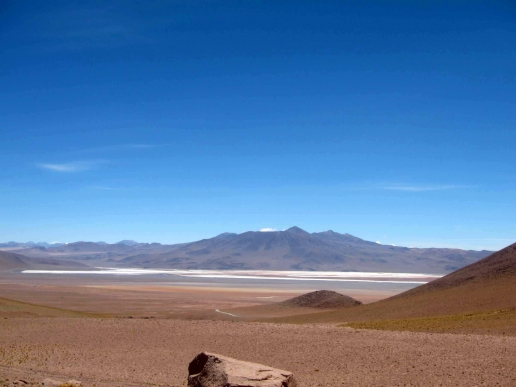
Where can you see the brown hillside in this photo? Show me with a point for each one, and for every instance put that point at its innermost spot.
(485, 286)
(323, 299)
(496, 266)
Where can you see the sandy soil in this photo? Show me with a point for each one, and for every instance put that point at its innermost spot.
(140, 351)
(137, 301)
(125, 352)
(136, 297)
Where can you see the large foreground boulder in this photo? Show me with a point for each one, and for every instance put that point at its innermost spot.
(212, 370)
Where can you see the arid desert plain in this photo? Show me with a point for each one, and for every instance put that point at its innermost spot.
(143, 330)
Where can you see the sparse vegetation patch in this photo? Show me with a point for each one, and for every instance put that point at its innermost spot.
(497, 321)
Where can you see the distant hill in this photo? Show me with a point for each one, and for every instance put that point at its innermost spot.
(305, 304)
(322, 299)
(11, 261)
(292, 249)
(82, 247)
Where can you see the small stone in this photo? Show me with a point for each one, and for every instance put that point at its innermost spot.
(51, 383)
(74, 382)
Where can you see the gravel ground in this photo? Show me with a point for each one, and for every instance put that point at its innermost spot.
(136, 352)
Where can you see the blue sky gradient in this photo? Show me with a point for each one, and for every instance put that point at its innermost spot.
(173, 121)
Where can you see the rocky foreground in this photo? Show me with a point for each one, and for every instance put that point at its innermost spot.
(125, 352)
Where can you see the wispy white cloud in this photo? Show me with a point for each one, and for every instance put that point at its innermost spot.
(78, 27)
(119, 147)
(140, 146)
(76, 166)
(403, 186)
(115, 148)
(420, 188)
(268, 229)
(106, 188)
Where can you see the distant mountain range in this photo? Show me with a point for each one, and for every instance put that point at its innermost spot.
(292, 249)
(128, 242)
(13, 244)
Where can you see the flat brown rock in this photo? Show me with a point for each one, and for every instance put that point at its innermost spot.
(212, 370)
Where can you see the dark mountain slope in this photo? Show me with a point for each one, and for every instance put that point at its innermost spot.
(82, 247)
(296, 249)
(499, 265)
(52, 263)
(292, 249)
(284, 250)
(11, 261)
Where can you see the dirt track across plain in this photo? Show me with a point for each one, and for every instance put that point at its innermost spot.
(123, 352)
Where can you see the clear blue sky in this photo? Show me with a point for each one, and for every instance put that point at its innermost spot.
(172, 121)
